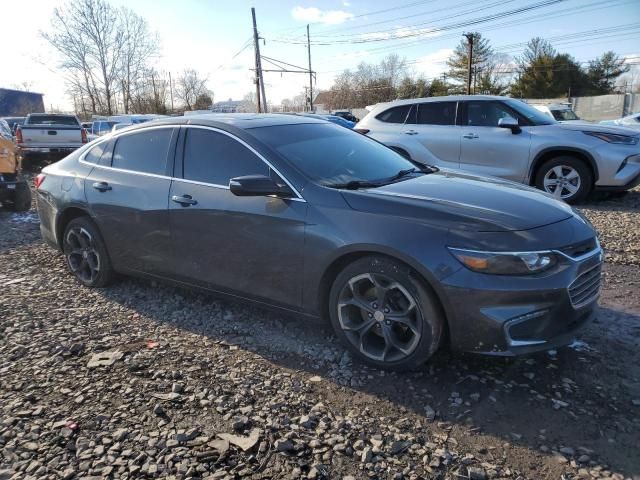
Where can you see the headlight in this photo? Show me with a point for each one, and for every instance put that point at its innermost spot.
(614, 138)
(505, 263)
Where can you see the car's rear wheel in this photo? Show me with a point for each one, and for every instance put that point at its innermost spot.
(86, 253)
(566, 178)
(384, 314)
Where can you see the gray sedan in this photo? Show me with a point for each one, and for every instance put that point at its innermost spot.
(312, 218)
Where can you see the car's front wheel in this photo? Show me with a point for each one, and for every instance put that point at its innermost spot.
(86, 253)
(382, 311)
(566, 178)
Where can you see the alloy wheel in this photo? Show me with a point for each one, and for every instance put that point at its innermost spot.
(379, 317)
(562, 181)
(82, 256)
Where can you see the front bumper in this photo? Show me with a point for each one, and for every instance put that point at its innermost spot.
(510, 316)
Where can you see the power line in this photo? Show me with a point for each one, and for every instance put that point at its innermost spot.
(468, 23)
(532, 19)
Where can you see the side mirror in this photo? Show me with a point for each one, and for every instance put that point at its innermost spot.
(510, 123)
(258, 186)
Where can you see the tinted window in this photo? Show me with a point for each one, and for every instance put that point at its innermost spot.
(216, 158)
(487, 114)
(145, 151)
(94, 154)
(395, 114)
(531, 115)
(564, 115)
(53, 120)
(437, 113)
(329, 154)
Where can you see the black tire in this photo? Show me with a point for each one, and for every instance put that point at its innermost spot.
(86, 254)
(418, 342)
(21, 198)
(567, 165)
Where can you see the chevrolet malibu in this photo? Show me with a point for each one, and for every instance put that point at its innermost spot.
(312, 218)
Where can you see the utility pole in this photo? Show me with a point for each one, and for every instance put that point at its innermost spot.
(171, 91)
(259, 80)
(469, 71)
(310, 72)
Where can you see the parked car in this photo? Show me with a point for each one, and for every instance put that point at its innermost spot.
(630, 121)
(44, 133)
(309, 217)
(343, 122)
(346, 114)
(505, 137)
(135, 118)
(14, 122)
(99, 128)
(120, 126)
(561, 112)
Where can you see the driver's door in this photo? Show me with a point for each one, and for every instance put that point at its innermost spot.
(487, 149)
(251, 246)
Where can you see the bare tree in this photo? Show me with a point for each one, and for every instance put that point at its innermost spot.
(104, 51)
(189, 86)
(138, 46)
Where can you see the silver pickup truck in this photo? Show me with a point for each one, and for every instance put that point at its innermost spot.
(50, 133)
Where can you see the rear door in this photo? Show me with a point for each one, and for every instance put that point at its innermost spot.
(489, 150)
(433, 124)
(251, 246)
(128, 193)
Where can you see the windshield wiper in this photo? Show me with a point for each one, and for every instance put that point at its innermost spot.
(355, 184)
(426, 169)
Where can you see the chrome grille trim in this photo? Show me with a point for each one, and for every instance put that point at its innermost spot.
(586, 287)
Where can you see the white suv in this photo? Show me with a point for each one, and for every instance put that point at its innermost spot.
(505, 137)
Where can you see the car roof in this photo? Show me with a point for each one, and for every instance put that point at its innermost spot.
(238, 120)
(447, 98)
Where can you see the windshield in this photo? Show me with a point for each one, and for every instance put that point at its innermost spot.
(565, 114)
(332, 155)
(535, 116)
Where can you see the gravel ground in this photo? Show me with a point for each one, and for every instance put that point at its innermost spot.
(145, 380)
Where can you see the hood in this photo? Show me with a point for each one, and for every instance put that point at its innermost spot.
(597, 127)
(462, 202)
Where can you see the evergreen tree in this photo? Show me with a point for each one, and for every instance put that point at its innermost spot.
(603, 72)
(458, 63)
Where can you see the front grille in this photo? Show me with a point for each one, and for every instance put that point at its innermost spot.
(586, 288)
(579, 249)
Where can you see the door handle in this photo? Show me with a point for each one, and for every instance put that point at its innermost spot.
(411, 132)
(102, 186)
(184, 200)
(470, 135)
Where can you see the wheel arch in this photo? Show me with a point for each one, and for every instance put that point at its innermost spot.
(346, 256)
(68, 214)
(552, 152)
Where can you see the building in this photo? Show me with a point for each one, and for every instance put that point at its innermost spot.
(20, 103)
(234, 106)
(322, 102)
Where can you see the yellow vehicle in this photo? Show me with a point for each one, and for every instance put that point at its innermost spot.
(14, 191)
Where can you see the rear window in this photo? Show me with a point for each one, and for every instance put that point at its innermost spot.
(144, 151)
(94, 154)
(437, 113)
(53, 120)
(395, 114)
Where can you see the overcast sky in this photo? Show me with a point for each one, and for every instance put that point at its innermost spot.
(206, 34)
